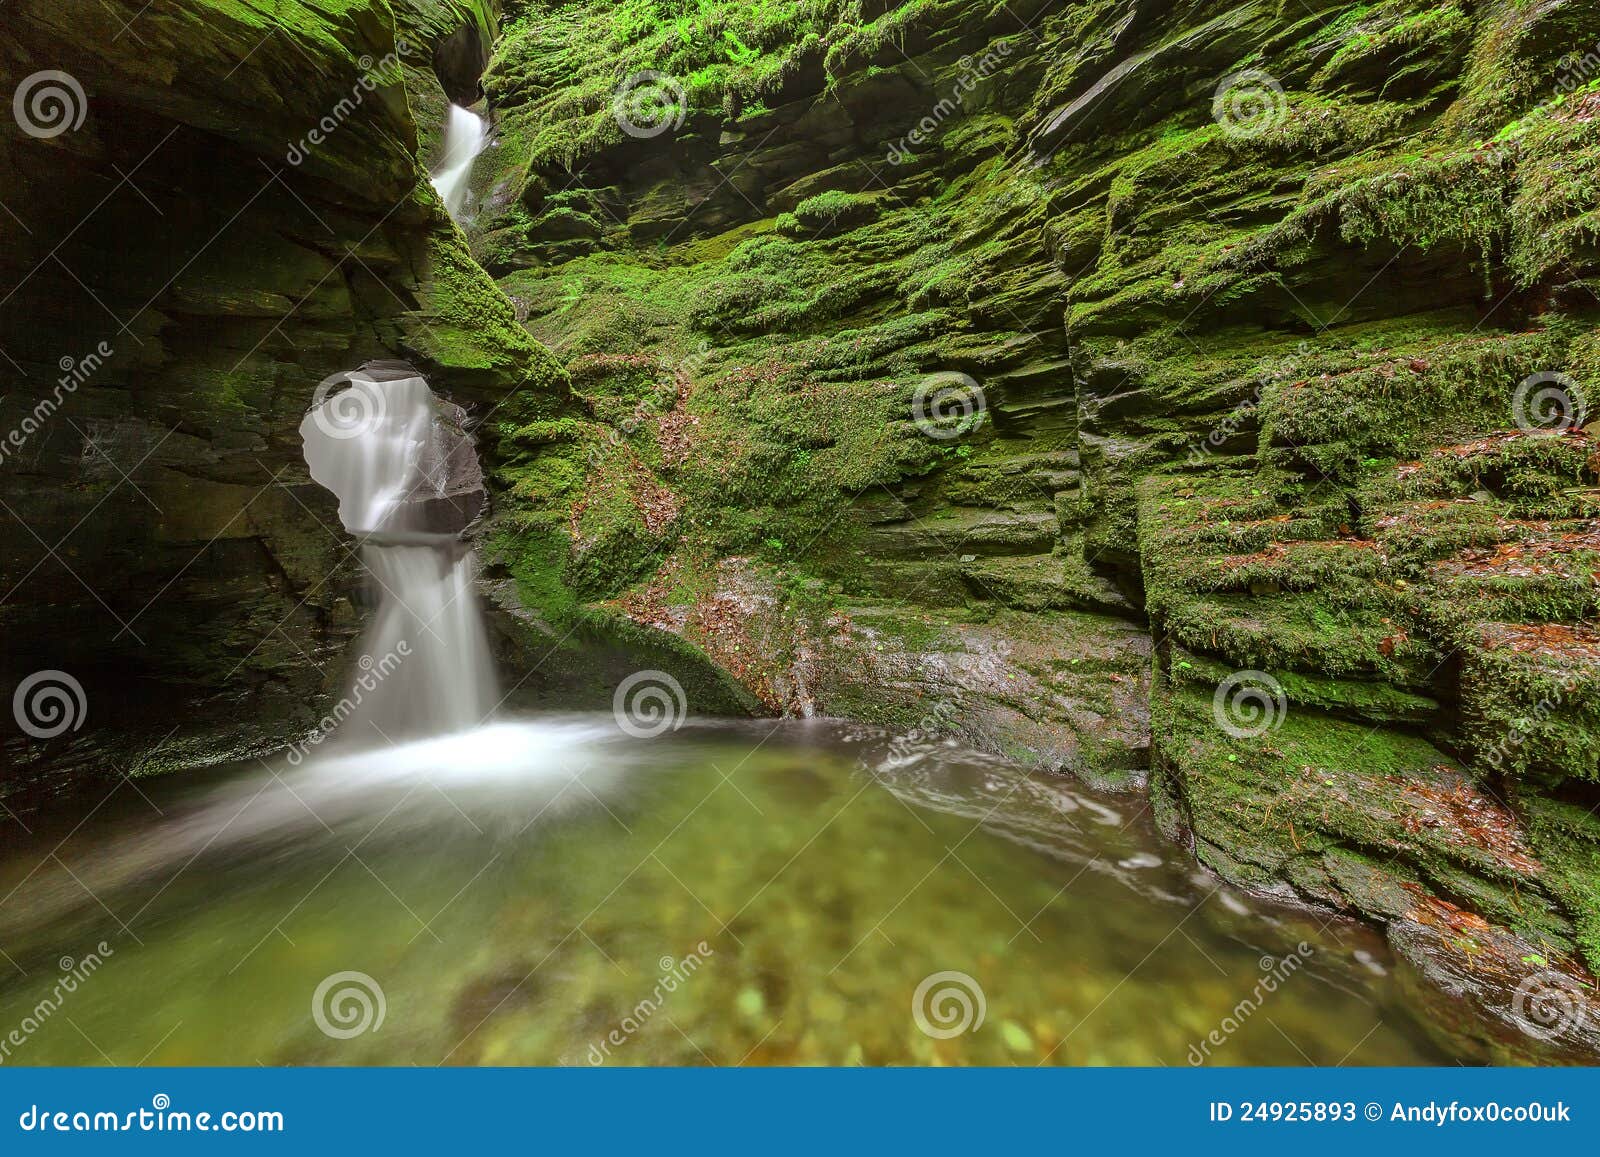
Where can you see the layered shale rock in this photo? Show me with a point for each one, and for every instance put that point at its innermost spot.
(1256, 299)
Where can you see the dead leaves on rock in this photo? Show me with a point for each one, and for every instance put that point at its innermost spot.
(1465, 816)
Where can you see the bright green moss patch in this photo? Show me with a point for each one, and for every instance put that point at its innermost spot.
(827, 213)
(467, 326)
(1373, 700)
(716, 57)
(1315, 789)
(1567, 838)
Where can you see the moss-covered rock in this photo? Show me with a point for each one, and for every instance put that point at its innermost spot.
(1281, 424)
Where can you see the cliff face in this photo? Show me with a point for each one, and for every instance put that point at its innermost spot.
(1113, 384)
(210, 207)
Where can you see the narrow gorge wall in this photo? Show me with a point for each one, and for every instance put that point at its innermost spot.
(209, 207)
(1195, 387)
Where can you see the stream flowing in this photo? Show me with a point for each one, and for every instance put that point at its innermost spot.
(555, 891)
(407, 481)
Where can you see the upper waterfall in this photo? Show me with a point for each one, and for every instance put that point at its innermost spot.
(465, 135)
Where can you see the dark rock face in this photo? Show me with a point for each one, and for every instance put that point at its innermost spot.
(238, 214)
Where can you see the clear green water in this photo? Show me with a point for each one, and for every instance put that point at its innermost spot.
(523, 896)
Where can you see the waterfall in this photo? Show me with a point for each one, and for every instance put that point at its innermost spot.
(465, 134)
(408, 483)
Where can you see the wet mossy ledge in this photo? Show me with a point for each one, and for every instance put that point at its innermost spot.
(1018, 374)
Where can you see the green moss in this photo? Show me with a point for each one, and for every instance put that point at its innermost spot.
(1567, 837)
(1533, 711)
(719, 57)
(466, 327)
(537, 557)
(828, 213)
(1279, 354)
(1405, 47)
(1314, 792)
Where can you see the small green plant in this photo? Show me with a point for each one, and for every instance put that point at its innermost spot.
(571, 292)
(737, 50)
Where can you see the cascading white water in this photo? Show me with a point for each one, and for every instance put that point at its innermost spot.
(407, 482)
(465, 134)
